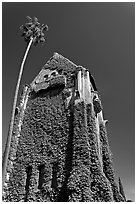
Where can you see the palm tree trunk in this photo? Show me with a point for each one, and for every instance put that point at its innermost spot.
(7, 148)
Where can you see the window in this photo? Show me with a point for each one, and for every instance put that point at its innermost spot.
(53, 74)
(54, 175)
(41, 176)
(29, 173)
(46, 76)
(92, 80)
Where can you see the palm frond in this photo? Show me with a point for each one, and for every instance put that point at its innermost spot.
(33, 29)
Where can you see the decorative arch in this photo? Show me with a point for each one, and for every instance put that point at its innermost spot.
(92, 80)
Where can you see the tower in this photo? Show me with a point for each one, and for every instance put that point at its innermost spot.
(59, 149)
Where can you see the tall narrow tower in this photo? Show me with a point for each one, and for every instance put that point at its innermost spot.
(59, 149)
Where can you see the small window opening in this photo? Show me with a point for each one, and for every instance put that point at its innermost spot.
(16, 111)
(46, 76)
(53, 74)
(60, 71)
(41, 176)
(29, 173)
(92, 80)
(54, 175)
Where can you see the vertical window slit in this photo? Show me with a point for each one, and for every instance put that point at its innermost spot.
(41, 176)
(29, 173)
(54, 175)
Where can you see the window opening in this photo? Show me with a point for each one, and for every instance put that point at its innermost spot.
(53, 74)
(46, 76)
(54, 175)
(41, 176)
(29, 173)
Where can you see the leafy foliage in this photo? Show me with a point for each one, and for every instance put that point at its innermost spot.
(64, 141)
(33, 29)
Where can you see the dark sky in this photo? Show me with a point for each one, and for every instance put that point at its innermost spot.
(98, 36)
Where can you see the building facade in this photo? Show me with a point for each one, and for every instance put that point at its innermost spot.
(59, 150)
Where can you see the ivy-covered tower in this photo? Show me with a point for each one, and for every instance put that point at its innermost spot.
(59, 149)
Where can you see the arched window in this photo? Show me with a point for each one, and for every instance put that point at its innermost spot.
(46, 76)
(41, 176)
(53, 74)
(54, 175)
(29, 174)
(92, 80)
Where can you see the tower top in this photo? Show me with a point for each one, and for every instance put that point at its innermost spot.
(59, 70)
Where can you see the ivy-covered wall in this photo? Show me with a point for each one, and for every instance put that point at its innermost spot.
(56, 155)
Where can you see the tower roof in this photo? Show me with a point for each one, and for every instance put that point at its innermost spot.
(58, 66)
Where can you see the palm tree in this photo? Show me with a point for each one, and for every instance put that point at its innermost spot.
(33, 33)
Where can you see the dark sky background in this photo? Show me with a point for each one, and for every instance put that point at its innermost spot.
(98, 36)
